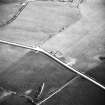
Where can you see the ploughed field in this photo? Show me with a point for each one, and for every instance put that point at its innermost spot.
(30, 69)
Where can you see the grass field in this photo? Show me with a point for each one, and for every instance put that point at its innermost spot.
(83, 41)
(38, 22)
(10, 54)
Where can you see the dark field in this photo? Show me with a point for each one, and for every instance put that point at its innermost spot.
(30, 71)
(34, 68)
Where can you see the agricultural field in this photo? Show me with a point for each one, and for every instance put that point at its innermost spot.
(74, 35)
(37, 23)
